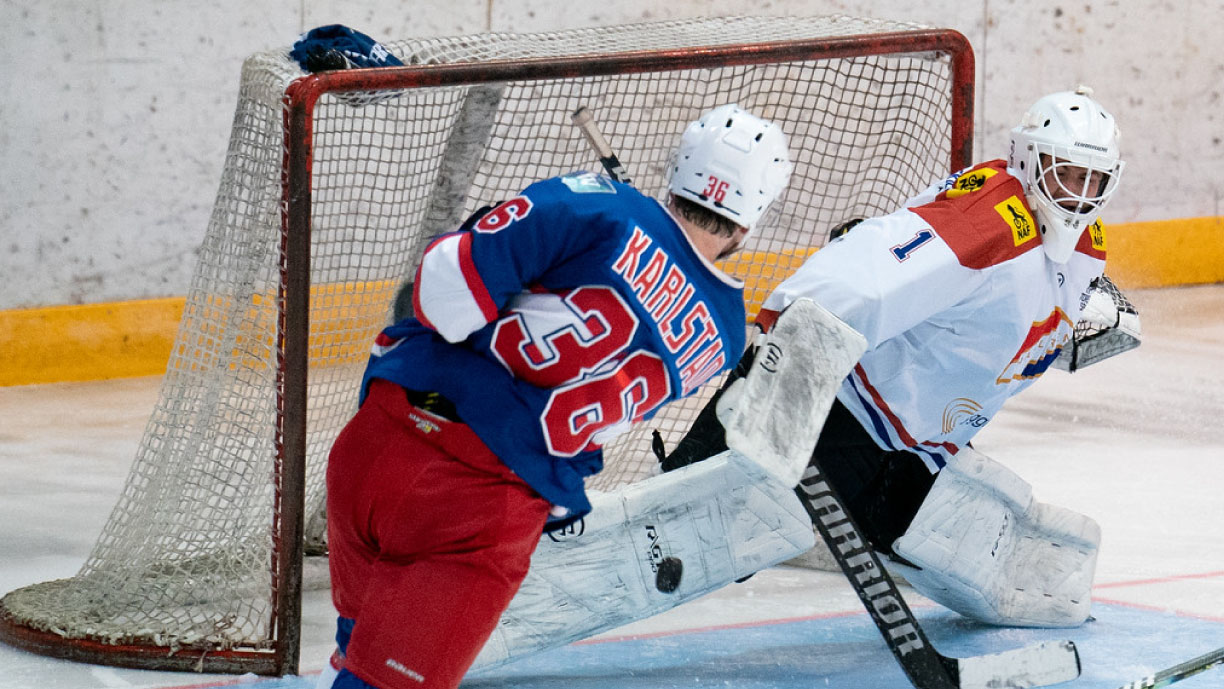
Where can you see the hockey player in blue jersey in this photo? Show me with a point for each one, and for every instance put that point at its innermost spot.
(965, 296)
(542, 329)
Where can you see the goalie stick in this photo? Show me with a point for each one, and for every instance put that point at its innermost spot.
(1179, 672)
(585, 121)
(1031, 666)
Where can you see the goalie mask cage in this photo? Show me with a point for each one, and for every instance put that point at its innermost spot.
(332, 185)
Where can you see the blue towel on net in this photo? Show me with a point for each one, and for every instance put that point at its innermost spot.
(336, 46)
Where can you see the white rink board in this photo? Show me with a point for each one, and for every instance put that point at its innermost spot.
(117, 114)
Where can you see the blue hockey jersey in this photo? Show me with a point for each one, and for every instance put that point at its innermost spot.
(562, 317)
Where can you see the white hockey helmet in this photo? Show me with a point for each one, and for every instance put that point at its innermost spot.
(1065, 151)
(733, 163)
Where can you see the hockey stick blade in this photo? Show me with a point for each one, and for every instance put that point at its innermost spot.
(1032, 666)
(1179, 672)
(1041, 664)
(585, 121)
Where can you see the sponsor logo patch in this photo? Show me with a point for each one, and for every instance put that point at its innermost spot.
(1096, 232)
(588, 183)
(1014, 213)
(970, 182)
(962, 410)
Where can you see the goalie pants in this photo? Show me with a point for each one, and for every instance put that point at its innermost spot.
(430, 536)
(882, 489)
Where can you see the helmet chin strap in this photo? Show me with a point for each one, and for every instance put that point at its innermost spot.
(1059, 235)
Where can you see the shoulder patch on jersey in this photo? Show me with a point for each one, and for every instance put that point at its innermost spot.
(1017, 215)
(987, 226)
(970, 181)
(1092, 242)
(1097, 234)
(588, 183)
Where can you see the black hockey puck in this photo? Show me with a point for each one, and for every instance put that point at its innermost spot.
(667, 578)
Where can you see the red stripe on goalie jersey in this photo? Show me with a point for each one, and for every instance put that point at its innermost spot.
(939, 452)
(987, 226)
(882, 407)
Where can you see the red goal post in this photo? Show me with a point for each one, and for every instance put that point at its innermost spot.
(276, 330)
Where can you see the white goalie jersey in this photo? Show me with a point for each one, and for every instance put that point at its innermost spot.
(960, 307)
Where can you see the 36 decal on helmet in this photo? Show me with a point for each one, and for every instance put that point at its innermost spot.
(733, 163)
(1065, 151)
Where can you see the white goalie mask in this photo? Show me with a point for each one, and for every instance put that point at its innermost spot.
(1065, 151)
(733, 163)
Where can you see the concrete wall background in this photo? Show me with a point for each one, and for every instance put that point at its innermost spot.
(115, 115)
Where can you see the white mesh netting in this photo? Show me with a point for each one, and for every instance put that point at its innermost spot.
(185, 559)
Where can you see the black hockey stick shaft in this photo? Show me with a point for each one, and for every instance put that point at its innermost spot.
(584, 119)
(925, 667)
(1031, 666)
(1180, 671)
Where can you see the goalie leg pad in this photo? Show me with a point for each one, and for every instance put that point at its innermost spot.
(987, 550)
(774, 415)
(646, 548)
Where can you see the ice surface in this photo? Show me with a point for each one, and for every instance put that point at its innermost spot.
(1135, 442)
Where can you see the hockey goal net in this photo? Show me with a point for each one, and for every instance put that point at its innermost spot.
(332, 185)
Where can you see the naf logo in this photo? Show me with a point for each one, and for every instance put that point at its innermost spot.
(1017, 216)
(1096, 233)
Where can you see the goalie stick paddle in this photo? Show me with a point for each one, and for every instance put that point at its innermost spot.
(585, 121)
(1032, 666)
(1179, 672)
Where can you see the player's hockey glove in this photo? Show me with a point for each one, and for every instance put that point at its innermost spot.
(320, 59)
(336, 46)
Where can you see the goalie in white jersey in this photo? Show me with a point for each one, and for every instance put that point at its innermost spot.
(965, 295)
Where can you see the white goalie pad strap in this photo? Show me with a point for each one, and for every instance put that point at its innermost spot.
(714, 517)
(987, 550)
(774, 414)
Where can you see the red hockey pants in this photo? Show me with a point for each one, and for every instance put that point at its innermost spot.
(430, 536)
